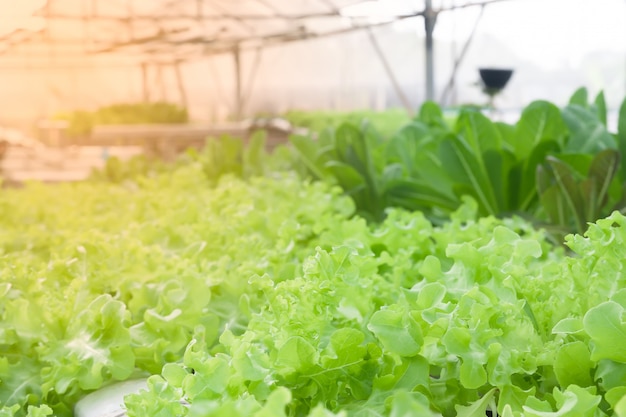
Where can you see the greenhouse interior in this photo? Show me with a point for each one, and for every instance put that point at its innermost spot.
(313, 208)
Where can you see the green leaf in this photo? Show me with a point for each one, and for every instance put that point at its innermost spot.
(97, 348)
(540, 122)
(20, 381)
(254, 155)
(357, 150)
(573, 402)
(545, 180)
(320, 411)
(573, 365)
(309, 153)
(404, 404)
(568, 188)
(251, 362)
(414, 147)
(415, 194)
(210, 377)
(472, 372)
(569, 326)
(610, 374)
(499, 164)
(430, 295)
(507, 411)
(354, 149)
(620, 407)
(345, 348)
(458, 341)
(587, 134)
(578, 162)
(160, 399)
(580, 97)
(467, 170)
(507, 133)
(397, 331)
(513, 397)
(614, 395)
(41, 411)
(392, 172)
(347, 176)
(222, 156)
(174, 374)
(297, 355)
(478, 132)
(621, 136)
(554, 204)
(600, 104)
(477, 408)
(603, 169)
(430, 113)
(523, 176)
(276, 404)
(9, 411)
(607, 330)
(409, 374)
(588, 192)
(620, 205)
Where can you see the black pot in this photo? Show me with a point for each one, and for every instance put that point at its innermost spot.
(495, 79)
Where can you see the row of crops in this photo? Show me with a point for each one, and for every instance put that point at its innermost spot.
(350, 274)
(82, 122)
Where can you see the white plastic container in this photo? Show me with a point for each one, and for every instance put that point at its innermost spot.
(108, 401)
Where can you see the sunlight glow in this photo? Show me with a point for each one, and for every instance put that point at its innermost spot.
(16, 15)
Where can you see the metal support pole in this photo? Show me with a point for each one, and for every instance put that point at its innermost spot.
(181, 85)
(160, 81)
(459, 60)
(144, 82)
(389, 70)
(245, 99)
(238, 83)
(430, 17)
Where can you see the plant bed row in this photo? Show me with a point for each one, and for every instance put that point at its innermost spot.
(240, 287)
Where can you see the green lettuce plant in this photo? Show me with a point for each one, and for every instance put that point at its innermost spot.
(368, 169)
(429, 165)
(572, 200)
(81, 122)
(267, 296)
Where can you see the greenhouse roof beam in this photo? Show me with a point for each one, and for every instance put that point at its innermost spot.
(193, 29)
(144, 40)
(226, 44)
(217, 45)
(221, 45)
(236, 18)
(194, 17)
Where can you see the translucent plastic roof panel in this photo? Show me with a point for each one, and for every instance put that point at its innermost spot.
(71, 33)
(198, 26)
(187, 29)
